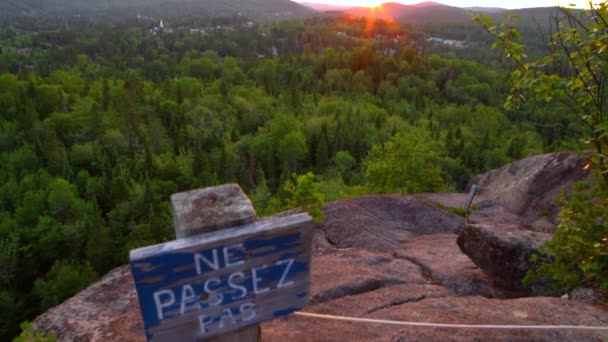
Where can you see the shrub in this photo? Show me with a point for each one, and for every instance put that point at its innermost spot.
(578, 252)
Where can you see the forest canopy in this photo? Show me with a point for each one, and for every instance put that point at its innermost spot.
(100, 122)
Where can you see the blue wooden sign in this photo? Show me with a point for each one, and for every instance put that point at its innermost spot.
(213, 283)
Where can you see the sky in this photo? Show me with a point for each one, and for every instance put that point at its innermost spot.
(462, 3)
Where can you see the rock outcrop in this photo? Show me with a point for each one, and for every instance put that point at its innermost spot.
(359, 283)
(503, 254)
(382, 222)
(383, 257)
(108, 310)
(425, 307)
(443, 263)
(527, 189)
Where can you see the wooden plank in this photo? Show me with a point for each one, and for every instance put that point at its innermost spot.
(210, 284)
(206, 210)
(469, 201)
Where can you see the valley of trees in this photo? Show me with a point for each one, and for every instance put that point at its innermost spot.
(113, 10)
(100, 122)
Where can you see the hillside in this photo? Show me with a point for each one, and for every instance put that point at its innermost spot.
(428, 12)
(486, 9)
(155, 8)
(439, 14)
(325, 7)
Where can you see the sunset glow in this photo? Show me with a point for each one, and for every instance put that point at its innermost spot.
(362, 3)
(378, 12)
(510, 4)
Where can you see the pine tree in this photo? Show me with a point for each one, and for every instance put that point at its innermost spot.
(106, 97)
(321, 153)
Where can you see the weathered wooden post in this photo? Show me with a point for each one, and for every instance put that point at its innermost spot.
(469, 201)
(225, 273)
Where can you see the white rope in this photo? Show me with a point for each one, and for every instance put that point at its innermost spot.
(448, 325)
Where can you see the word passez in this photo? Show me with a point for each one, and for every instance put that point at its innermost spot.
(226, 289)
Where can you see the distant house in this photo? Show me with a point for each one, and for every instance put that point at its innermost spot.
(201, 31)
(450, 42)
(387, 52)
(224, 28)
